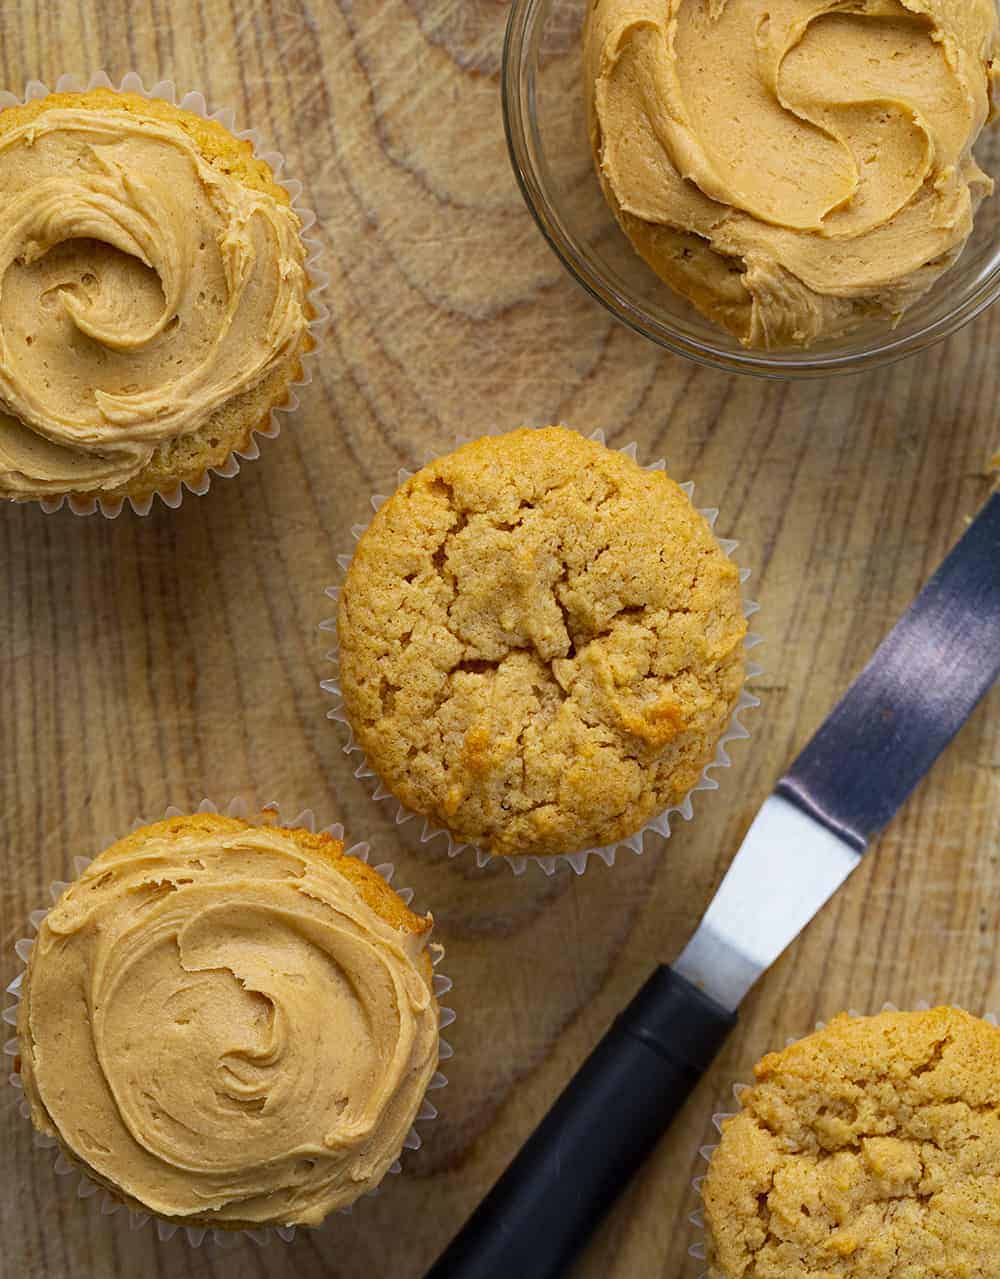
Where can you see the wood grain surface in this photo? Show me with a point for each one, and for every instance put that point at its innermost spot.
(153, 661)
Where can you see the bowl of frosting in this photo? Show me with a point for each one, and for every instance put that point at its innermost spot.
(781, 187)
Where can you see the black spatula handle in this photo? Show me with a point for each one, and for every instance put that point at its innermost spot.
(593, 1139)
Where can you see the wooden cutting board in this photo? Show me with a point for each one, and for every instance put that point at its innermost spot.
(153, 661)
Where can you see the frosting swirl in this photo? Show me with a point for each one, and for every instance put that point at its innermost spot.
(142, 289)
(219, 1025)
(792, 166)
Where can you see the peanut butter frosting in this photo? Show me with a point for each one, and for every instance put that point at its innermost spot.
(540, 643)
(142, 289)
(228, 1023)
(868, 1150)
(793, 167)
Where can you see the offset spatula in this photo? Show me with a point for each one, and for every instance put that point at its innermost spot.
(897, 716)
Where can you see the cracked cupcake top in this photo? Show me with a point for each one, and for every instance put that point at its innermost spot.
(869, 1150)
(541, 643)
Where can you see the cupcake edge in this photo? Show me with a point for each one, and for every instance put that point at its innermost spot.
(735, 730)
(223, 1237)
(270, 426)
(699, 1248)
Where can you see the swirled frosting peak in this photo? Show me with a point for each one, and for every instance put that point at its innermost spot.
(792, 166)
(143, 287)
(218, 1023)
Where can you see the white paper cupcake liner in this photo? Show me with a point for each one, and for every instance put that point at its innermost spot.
(86, 1188)
(195, 102)
(699, 1249)
(660, 824)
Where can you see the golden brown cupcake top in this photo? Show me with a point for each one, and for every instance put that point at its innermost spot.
(869, 1150)
(792, 166)
(540, 643)
(229, 1023)
(151, 272)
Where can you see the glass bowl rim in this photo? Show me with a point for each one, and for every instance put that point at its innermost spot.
(519, 119)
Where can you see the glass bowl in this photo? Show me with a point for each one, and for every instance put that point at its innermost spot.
(545, 121)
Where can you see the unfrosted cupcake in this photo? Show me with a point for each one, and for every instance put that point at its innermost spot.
(154, 299)
(541, 643)
(869, 1150)
(229, 1024)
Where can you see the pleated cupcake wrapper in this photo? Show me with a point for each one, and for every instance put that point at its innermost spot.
(699, 1249)
(195, 102)
(660, 824)
(165, 1228)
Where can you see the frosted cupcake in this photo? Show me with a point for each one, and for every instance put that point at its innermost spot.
(229, 1025)
(868, 1150)
(541, 644)
(154, 300)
